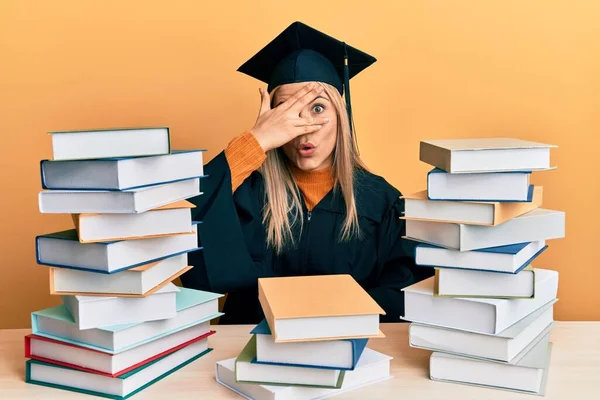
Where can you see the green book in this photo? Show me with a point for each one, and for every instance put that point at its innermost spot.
(247, 370)
(121, 387)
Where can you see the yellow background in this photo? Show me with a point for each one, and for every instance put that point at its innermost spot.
(446, 69)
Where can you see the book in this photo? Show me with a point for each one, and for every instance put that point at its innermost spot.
(418, 207)
(63, 249)
(121, 387)
(94, 312)
(135, 282)
(76, 357)
(479, 315)
(194, 307)
(486, 155)
(335, 354)
(122, 173)
(492, 186)
(465, 283)
(538, 224)
(106, 143)
(504, 259)
(372, 368)
(528, 375)
(247, 371)
(116, 202)
(504, 346)
(171, 219)
(322, 307)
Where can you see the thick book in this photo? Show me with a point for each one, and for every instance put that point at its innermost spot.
(504, 259)
(493, 186)
(504, 346)
(536, 225)
(95, 312)
(247, 371)
(527, 375)
(464, 283)
(418, 207)
(479, 315)
(486, 155)
(194, 307)
(63, 249)
(122, 173)
(135, 282)
(372, 368)
(334, 354)
(171, 219)
(323, 307)
(121, 387)
(106, 143)
(73, 356)
(116, 202)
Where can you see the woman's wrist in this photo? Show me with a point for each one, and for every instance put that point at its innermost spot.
(261, 139)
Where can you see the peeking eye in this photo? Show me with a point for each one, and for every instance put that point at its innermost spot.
(318, 108)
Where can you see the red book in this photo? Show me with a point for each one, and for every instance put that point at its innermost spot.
(107, 364)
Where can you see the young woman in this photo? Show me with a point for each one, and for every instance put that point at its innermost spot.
(291, 196)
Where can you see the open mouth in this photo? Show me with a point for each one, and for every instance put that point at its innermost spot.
(306, 149)
(307, 146)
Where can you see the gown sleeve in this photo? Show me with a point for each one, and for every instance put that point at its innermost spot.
(234, 252)
(397, 267)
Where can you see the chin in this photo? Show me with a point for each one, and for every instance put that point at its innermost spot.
(308, 164)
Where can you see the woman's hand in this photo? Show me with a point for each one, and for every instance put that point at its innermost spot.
(282, 124)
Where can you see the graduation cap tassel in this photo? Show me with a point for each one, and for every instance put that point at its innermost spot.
(347, 87)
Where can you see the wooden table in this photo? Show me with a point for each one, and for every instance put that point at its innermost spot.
(574, 370)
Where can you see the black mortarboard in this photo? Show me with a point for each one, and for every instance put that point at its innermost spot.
(302, 54)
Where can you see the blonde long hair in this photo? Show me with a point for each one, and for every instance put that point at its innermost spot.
(283, 206)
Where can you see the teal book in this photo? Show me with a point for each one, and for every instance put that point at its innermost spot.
(193, 307)
(121, 387)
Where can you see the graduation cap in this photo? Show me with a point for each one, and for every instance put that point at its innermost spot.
(301, 54)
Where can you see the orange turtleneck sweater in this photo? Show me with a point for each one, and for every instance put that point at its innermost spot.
(245, 155)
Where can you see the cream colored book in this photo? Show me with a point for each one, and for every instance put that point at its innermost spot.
(486, 155)
(171, 219)
(323, 307)
(419, 207)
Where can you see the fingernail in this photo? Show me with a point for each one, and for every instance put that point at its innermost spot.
(326, 119)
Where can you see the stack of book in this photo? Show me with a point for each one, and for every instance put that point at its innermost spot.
(487, 312)
(312, 342)
(122, 325)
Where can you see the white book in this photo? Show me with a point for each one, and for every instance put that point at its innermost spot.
(538, 224)
(372, 367)
(466, 283)
(94, 311)
(193, 307)
(116, 202)
(493, 186)
(105, 143)
(171, 219)
(63, 249)
(504, 346)
(480, 315)
(139, 282)
(504, 259)
(340, 354)
(46, 374)
(528, 375)
(77, 357)
(248, 371)
(122, 173)
(485, 155)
